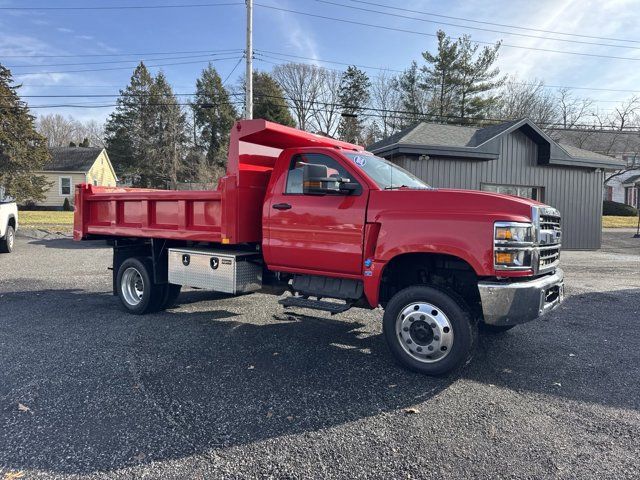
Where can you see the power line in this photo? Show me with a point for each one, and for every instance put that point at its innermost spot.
(584, 42)
(127, 68)
(224, 82)
(116, 61)
(415, 32)
(129, 7)
(518, 27)
(130, 54)
(325, 61)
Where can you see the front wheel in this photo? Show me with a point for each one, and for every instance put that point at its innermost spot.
(428, 330)
(6, 243)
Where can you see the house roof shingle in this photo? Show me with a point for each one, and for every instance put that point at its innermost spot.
(603, 142)
(71, 159)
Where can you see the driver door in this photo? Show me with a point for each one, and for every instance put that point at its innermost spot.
(322, 233)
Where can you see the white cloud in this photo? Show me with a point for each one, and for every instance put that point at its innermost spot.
(64, 30)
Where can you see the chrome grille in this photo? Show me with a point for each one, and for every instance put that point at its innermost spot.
(549, 222)
(549, 237)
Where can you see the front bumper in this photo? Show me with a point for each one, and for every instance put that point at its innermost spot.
(519, 302)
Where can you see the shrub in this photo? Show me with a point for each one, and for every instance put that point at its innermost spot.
(618, 209)
(66, 206)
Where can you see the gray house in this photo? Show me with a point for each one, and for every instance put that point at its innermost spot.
(515, 158)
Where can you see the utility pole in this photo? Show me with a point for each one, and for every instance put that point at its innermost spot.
(248, 103)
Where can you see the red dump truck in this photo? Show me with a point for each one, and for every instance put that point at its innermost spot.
(333, 227)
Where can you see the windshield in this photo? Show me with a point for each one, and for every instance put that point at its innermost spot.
(386, 175)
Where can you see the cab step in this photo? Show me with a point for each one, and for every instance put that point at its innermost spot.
(300, 302)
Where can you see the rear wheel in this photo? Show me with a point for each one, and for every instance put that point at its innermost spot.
(136, 290)
(7, 243)
(171, 292)
(428, 330)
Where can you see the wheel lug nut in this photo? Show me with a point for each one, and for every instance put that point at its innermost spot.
(419, 349)
(433, 325)
(422, 317)
(406, 329)
(430, 347)
(436, 338)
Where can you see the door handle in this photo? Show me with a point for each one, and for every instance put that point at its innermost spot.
(282, 206)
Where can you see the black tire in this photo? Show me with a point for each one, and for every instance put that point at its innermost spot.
(171, 293)
(150, 295)
(494, 329)
(8, 242)
(449, 318)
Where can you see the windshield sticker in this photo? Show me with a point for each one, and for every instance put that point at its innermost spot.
(360, 161)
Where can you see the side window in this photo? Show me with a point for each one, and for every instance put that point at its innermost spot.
(65, 185)
(294, 177)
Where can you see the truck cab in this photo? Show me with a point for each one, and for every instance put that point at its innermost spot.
(337, 228)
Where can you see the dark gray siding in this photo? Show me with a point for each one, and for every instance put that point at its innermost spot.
(576, 192)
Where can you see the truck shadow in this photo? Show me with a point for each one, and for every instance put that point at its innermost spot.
(106, 390)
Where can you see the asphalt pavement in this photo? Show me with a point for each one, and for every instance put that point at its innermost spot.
(222, 387)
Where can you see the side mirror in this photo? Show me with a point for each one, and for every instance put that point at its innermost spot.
(316, 180)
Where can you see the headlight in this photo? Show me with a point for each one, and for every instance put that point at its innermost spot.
(513, 246)
(513, 258)
(515, 232)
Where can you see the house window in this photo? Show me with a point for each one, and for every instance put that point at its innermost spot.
(631, 196)
(534, 193)
(608, 193)
(65, 186)
(631, 160)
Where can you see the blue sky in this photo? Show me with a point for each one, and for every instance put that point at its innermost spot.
(115, 32)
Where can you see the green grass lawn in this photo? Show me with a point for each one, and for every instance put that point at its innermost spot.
(61, 222)
(619, 222)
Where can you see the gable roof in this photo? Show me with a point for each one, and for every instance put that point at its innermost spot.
(483, 143)
(71, 159)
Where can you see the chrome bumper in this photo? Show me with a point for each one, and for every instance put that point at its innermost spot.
(519, 302)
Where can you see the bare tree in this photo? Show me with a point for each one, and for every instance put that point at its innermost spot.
(530, 99)
(326, 109)
(58, 130)
(61, 131)
(385, 98)
(302, 84)
(572, 110)
(93, 131)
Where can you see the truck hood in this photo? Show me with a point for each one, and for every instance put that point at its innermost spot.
(452, 201)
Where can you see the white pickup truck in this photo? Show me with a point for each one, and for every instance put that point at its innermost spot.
(8, 225)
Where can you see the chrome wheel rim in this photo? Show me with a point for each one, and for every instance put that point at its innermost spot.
(424, 332)
(132, 286)
(10, 240)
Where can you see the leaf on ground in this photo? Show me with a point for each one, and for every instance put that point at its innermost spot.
(269, 414)
(411, 411)
(13, 475)
(251, 367)
(557, 384)
(24, 409)
(572, 354)
(290, 417)
(393, 385)
(139, 457)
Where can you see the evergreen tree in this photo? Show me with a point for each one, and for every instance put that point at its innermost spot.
(414, 96)
(354, 96)
(442, 75)
(85, 143)
(128, 128)
(476, 76)
(168, 136)
(213, 115)
(268, 100)
(22, 149)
